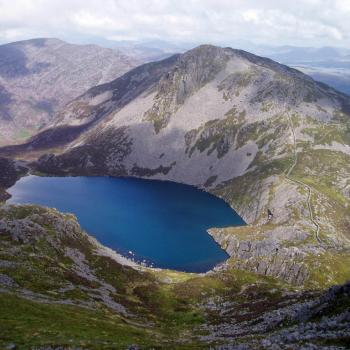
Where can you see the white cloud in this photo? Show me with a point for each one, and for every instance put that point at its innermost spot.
(303, 22)
(251, 15)
(90, 21)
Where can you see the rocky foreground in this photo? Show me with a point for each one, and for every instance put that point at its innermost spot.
(60, 289)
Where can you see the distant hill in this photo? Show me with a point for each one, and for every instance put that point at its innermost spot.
(329, 65)
(39, 76)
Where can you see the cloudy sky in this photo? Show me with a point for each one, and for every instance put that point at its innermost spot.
(271, 22)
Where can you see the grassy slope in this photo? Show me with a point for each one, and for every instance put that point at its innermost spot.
(27, 323)
(164, 307)
(326, 172)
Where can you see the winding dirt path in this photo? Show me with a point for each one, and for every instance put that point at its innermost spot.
(288, 172)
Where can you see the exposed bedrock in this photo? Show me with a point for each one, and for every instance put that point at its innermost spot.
(10, 172)
(268, 254)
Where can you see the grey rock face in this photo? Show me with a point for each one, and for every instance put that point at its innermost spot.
(67, 239)
(300, 325)
(267, 255)
(6, 281)
(10, 171)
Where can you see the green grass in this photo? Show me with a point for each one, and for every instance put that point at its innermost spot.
(23, 134)
(326, 133)
(27, 324)
(241, 191)
(322, 169)
(216, 134)
(328, 269)
(43, 268)
(167, 306)
(327, 173)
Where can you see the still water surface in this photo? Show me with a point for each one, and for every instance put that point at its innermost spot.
(161, 222)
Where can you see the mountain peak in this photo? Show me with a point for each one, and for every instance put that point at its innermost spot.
(206, 52)
(233, 76)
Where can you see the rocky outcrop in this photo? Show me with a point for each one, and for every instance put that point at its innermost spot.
(271, 253)
(60, 237)
(316, 324)
(10, 171)
(192, 71)
(88, 160)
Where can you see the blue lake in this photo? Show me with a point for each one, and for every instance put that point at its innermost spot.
(161, 222)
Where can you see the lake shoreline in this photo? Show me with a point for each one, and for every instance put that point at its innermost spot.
(146, 260)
